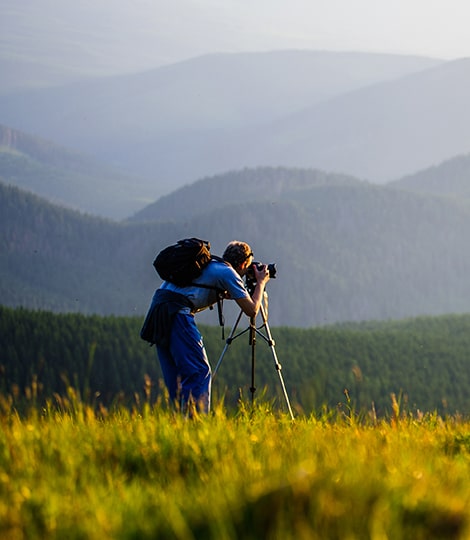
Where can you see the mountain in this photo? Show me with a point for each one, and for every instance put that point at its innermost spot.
(344, 250)
(451, 178)
(54, 42)
(263, 184)
(67, 177)
(381, 132)
(205, 115)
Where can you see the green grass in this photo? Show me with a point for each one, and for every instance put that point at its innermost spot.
(68, 471)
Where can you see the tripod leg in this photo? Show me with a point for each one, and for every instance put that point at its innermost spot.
(253, 358)
(268, 338)
(278, 366)
(228, 341)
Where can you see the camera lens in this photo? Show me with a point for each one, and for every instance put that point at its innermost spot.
(272, 270)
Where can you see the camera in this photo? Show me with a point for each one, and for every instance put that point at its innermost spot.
(250, 274)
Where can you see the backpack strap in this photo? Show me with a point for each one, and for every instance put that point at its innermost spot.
(220, 296)
(220, 302)
(219, 259)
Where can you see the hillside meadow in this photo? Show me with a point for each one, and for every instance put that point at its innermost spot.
(89, 447)
(69, 471)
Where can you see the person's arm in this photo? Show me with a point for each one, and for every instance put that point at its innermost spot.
(250, 306)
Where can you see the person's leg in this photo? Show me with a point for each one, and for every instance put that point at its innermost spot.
(187, 349)
(170, 372)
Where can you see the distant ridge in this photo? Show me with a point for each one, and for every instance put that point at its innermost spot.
(345, 251)
(451, 178)
(267, 184)
(222, 112)
(66, 176)
(378, 133)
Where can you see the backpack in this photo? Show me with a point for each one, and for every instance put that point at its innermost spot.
(184, 261)
(180, 264)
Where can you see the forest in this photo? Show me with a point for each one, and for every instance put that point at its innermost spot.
(420, 364)
(345, 250)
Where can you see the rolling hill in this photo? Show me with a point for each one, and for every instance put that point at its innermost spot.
(345, 250)
(380, 133)
(222, 112)
(450, 178)
(266, 184)
(67, 177)
(53, 42)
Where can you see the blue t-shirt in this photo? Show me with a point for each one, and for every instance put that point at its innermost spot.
(216, 274)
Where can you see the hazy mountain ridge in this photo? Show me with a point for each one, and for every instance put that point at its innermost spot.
(344, 252)
(19, 73)
(379, 133)
(78, 181)
(192, 119)
(40, 45)
(450, 178)
(248, 185)
(67, 177)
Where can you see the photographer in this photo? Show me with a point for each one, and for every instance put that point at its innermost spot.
(181, 352)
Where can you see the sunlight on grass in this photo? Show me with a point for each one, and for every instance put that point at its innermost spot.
(69, 471)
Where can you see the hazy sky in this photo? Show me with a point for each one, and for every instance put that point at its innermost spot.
(427, 27)
(152, 32)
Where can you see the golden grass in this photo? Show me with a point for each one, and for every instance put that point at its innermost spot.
(69, 471)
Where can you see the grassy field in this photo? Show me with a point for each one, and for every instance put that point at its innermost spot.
(71, 472)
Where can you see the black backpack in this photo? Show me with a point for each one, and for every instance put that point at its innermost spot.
(184, 261)
(180, 264)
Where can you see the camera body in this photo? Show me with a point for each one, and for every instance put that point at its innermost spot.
(250, 274)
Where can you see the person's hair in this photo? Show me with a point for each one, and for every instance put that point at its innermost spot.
(236, 253)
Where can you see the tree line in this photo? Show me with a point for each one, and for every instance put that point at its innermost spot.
(424, 362)
(344, 251)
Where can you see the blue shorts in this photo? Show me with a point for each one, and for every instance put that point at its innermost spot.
(185, 367)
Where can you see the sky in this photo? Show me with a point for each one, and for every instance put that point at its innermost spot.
(424, 27)
(132, 34)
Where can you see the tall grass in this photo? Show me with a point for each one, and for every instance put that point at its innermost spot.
(70, 471)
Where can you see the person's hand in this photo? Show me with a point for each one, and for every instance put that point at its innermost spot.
(261, 273)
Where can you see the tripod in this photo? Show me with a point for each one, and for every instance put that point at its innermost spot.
(254, 331)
